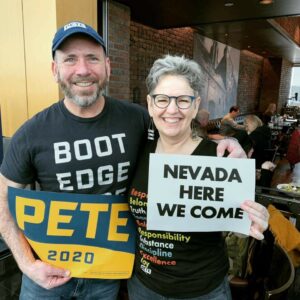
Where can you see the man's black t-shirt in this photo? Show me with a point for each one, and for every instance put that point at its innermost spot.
(66, 153)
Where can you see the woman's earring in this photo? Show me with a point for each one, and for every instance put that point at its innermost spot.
(151, 130)
(195, 135)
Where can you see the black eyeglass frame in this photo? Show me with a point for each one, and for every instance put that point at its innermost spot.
(176, 100)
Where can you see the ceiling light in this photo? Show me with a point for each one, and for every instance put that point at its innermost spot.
(228, 3)
(265, 2)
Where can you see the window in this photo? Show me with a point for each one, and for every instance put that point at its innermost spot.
(295, 85)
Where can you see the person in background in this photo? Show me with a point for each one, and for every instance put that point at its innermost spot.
(293, 150)
(47, 149)
(197, 267)
(260, 136)
(202, 119)
(229, 126)
(267, 115)
(50, 149)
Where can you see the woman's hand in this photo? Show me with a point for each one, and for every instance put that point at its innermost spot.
(259, 216)
(232, 146)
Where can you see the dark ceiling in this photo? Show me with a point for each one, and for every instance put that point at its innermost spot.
(245, 25)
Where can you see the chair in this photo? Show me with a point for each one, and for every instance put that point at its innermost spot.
(280, 276)
(270, 153)
(271, 272)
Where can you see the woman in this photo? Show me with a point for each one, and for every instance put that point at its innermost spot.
(269, 113)
(293, 150)
(195, 267)
(260, 136)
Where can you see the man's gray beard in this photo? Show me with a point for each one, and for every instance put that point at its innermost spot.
(82, 101)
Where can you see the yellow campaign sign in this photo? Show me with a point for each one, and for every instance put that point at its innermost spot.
(93, 236)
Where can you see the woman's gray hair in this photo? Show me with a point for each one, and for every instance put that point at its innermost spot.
(254, 120)
(178, 66)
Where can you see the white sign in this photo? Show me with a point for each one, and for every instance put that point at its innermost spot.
(199, 193)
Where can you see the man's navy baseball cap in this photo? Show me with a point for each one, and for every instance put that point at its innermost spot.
(73, 28)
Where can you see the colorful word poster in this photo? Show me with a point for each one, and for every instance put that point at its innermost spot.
(93, 236)
(199, 193)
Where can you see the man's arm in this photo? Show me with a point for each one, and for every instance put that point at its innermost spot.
(42, 273)
(234, 124)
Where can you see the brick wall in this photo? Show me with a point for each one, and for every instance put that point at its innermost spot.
(148, 44)
(270, 82)
(249, 84)
(118, 45)
(291, 26)
(133, 48)
(262, 81)
(285, 81)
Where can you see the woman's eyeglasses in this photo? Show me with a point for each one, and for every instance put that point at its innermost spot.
(182, 101)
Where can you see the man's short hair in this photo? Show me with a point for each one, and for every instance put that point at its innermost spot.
(234, 108)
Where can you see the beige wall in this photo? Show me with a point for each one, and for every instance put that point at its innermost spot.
(76, 10)
(26, 83)
(39, 25)
(13, 95)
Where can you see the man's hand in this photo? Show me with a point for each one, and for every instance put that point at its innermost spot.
(232, 146)
(42, 273)
(46, 275)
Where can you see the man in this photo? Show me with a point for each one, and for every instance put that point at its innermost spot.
(230, 128)
(86, 143)
(202, 119)
(228, 125)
